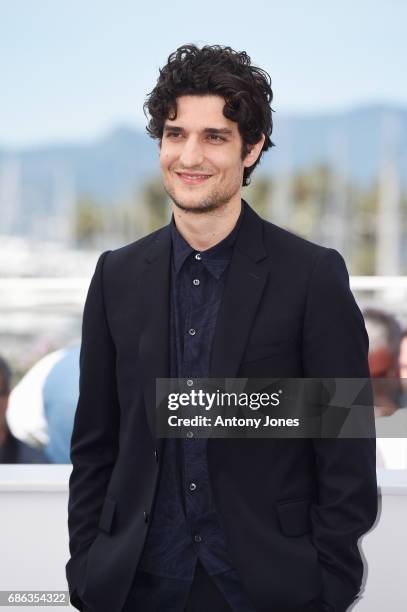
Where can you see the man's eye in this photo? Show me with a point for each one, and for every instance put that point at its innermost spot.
(178, 136)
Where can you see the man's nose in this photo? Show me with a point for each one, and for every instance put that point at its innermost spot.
(192, 153)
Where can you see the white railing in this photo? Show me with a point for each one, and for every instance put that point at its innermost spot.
(67, 295)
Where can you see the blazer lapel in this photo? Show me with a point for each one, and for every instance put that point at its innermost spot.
(154, 284)
(243, 290)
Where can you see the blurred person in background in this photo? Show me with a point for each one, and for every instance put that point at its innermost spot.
(13, 450)
(42, 405)
(384, 348)
(403, 369)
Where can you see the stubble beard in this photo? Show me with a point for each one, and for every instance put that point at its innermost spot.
(216, 200)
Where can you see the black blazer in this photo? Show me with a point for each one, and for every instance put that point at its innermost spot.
(292, 509)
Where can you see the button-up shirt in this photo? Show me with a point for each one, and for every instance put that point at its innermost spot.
(184, 524)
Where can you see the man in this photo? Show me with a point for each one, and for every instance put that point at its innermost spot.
(223, 524)
(13, 450)
(384, 343)
(384, 334)
(403, 368)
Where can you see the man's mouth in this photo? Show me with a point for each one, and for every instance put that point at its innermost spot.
(191, 178)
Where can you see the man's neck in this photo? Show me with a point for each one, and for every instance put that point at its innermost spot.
(202, 231)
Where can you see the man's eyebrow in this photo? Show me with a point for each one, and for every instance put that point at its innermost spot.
(218, 131)
(208, 130)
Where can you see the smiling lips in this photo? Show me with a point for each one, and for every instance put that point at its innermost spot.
(192, 179)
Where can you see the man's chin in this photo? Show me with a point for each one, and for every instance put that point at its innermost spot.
(196, 207)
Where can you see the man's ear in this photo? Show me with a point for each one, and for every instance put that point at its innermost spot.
(254, 152)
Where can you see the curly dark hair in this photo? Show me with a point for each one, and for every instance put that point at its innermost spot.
(215, 70)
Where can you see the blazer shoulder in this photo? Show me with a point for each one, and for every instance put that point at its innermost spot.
(280, 240)
(302, 259)
(133, 253)
(139, 246)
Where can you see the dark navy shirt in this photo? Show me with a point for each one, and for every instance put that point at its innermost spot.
(184, 524)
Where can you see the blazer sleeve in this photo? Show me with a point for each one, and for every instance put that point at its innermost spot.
(94, 442)
(335, 344)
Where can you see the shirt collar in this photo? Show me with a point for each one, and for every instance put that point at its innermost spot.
(214, 259)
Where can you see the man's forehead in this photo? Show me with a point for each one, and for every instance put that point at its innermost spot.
(201, 112)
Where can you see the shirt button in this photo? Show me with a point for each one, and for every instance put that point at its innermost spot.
(192, 332)
(196, 281)
(190, 382)
(190, 434)
(198, 256)
(197, 538)
(192, 486)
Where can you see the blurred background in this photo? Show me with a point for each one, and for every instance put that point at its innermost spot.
(79, 175)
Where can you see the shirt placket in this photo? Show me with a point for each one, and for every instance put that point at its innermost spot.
(194, 484)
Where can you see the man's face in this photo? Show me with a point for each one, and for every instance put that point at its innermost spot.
(382, 363)
(200, 155)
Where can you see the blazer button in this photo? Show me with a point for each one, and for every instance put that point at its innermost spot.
(146, 515)
(156, 455)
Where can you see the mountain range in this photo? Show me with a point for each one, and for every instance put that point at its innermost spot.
(355, 141)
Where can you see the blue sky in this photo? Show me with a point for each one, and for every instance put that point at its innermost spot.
(73, 70)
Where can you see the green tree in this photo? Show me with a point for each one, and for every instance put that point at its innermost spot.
(88, 222)
(156, 203)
